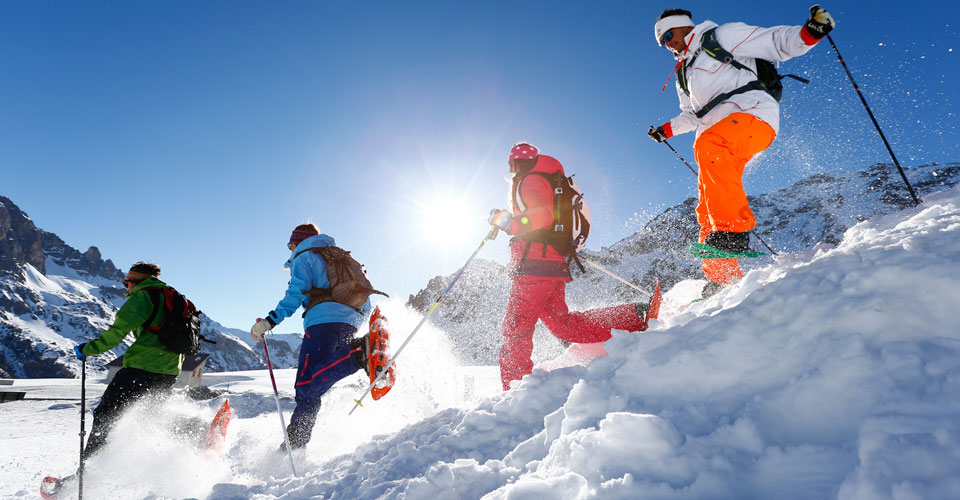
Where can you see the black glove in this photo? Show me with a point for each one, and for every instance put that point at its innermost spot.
(657, 133)
(820, 23)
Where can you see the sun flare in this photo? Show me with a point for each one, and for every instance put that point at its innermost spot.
(447, 220)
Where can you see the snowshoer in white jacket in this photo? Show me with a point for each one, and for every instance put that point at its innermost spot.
(734, 117)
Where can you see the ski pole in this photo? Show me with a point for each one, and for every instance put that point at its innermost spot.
(698, 175)
(492, 235)
(681, 158)
(614, 276)
(276, 395)
(913, 195)
(83, 429)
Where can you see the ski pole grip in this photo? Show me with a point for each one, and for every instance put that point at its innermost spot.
(494, 231)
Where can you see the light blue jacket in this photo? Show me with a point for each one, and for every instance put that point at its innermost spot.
(309, 270)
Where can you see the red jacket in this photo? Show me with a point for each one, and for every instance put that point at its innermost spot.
(531, 198)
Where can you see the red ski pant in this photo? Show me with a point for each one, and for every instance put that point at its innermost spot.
(535, 297)
(722, 152)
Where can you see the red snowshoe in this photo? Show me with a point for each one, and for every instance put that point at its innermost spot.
(378, 357)
(51, 487)
(654, 303)
(218, 428)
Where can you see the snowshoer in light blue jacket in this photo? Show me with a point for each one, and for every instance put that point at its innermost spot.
(309, 270)
(329, 351)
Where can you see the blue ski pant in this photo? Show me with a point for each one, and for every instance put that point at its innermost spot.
(325, 358)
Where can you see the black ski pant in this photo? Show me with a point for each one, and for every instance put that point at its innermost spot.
(128, 386)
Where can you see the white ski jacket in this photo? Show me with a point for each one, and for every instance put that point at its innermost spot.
(707, 77)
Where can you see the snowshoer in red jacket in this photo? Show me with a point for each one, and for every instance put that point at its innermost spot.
(541, 273)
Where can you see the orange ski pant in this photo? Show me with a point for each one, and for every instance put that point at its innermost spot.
(535, 298)
(722, 152)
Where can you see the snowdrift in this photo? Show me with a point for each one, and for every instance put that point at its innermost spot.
(832, 373)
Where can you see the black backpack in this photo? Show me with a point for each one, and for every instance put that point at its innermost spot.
(571, 217)
(768, 79)
(348, 280)
(180, 331)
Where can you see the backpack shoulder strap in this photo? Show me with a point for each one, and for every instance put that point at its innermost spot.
(301, 253)
(710, 45)
(516, 193)
(156, 296)
(555, 181)
(329, 251)
(557, 186)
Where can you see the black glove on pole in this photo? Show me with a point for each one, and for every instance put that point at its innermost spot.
(913, 195)
(657, 133)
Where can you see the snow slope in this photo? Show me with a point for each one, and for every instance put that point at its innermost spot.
(832, 373)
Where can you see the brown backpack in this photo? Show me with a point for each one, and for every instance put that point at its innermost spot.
(348, 280)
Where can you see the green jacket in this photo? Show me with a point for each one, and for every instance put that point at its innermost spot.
(147, 352)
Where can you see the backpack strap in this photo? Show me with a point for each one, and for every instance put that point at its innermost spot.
(710, 45)
(526, 251)
(754, 85)
(798, 78)
(556, 186)
(321, 295)
(576, 259)
(318, 295)
(552, 235)
(156, 295)
(557, 191)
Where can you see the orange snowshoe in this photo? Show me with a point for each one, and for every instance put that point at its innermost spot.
(50, 487)
(377, 355)
(654, 303)
(218, 428)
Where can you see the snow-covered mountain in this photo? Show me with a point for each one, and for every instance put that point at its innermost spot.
(53, 297)
(828, 373)
(818, 209)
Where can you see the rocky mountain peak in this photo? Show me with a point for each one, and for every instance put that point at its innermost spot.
(20, 240)
(65, 297)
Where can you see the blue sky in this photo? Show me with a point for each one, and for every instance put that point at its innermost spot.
(197, 134)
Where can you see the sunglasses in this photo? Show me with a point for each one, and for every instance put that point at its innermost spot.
(666, 37)
(290, 246)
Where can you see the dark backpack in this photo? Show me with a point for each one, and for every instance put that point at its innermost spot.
(180, 331)
(348, 280)
(768, 79)
(571, 217)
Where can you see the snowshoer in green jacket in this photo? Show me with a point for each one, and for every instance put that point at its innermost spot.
(149, 367)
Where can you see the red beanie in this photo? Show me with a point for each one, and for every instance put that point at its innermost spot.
(523, 151)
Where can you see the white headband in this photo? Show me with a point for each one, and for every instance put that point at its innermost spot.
(668, 23)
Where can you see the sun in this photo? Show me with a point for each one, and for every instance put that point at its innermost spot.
(449, 220)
